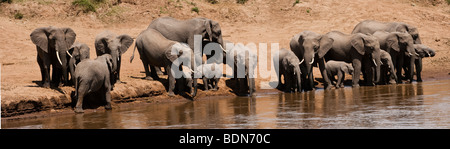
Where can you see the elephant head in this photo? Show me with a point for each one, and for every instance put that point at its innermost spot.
(348, 68)
(412, 31)
(213, 32)
(108, 42)
(368, 45)
(311, 45)
(424, 51)
(53, 40)
(77, 53)
(292, 66)
(401, 42)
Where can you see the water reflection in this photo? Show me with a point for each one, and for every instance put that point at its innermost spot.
(417, 105)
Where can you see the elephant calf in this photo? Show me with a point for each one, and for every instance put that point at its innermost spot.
(94, 77)
(243, 67)
(211, 75)
(289, 67)
(80, 51)
(338, 68)
(387, 69)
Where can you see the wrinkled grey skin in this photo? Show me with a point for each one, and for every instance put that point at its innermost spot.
(51, 42)
(94, 77)
(358, 49)
(79, 52)
(388, 75)
(239, 60)
(184, 82)
(156, 50)
(399, 46)
(109, 43)
(183, 31)
(289, 67)
(371, 26)
(211, 78)
(423, 51)
(338, 68)
(305, 46)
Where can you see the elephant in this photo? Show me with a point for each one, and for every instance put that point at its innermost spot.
(211, 78)
(305, 46)
(388, 75)
(243, 61)
(52, 45)
(289, 67)
(422, 51)
(94, 77)
(184, 30)
(371, 26)
(338, 68)
(398, 45)
(185, 81)
(109, 43)
(358, 49)
(79, 52)
(156, 50)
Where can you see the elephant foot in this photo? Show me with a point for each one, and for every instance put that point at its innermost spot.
(78, 110)
(355, 85)
(419, 80)
(46, 85)
(171, 94)
(108, 107)
(341, 86)
(148, 78)
(392, 82)
(328, 87)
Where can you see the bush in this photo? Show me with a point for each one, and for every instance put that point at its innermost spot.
(448, 2)
(18, 15)
(195, 9)
(241, 1)
(212, 1)
(8, 1)
(87, 5)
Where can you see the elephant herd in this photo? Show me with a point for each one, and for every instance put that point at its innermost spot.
(377, 50)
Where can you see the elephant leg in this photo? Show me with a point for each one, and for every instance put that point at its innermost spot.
(147, 71)
(236, 85)
(205, 83)
(153, 73)
(108, 95)
(398, 67)
(81, 92)
(340, 80)
(118, 70)
(45, 72)
(311, 81)
(159, 71)
(323, 71)
(252, 87)
(171, 79)
(56, 76)
(357, 72)
(418, 64)
(288, 82)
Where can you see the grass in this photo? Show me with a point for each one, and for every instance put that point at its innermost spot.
(18, 15)
(448, 2)
(86, 5)
(212, 1)
(241, 1)
(195, 9)
(296, 2)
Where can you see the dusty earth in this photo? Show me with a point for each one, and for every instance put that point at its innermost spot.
(256, 21)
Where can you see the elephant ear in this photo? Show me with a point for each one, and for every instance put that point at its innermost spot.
(392, 42)
(70, 35)
(125, 41)
(40, 38)
(173, 56)
(358, 43)
(345, 69)
(208, 28)
(325, 45)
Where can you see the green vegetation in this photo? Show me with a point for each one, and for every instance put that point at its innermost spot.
(87, 5)
(448, 2)
(195, 9)
(307, 10)
(212, 1)
(241, 1)
(296, 2)
(18, 15)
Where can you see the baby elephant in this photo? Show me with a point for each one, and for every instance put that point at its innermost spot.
(338, 68)
(94, 77)
(289, 67)
(211, 75)
(80, 51)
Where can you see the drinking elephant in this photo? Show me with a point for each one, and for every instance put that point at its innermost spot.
(156, 50)
(388, 75)
(211, 75)
(399, 46)
(79, 52)
(371, 26)
(289, 67)
(243, 61)
(109, 43)
(305, 46)
(358, 49)
(338, 68)
(422, 51)
(94, 77)
(183, 31)
(52, 45)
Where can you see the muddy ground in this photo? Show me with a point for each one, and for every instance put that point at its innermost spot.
(256, 21)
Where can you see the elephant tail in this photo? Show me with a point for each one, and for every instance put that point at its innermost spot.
(132, 56)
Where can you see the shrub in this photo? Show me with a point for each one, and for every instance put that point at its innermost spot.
(448, 2)
(212, 1)
(195, 9)
(18, 15)
(87, 5)
(241, 1)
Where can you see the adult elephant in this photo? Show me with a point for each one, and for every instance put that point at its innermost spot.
(184, 30)
(371, 26)
(358, 49)
(243, 61)
(52, 45)
(305, 46)
(79, 52)
(422, 51)
(399, 46)
(109, 43)
(289, 67)
(156, 50)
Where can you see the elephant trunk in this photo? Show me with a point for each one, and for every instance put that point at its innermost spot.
(298, 79)
(309, 61)
(61, 55)
(377, 59)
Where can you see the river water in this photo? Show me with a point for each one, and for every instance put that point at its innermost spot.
(416, 105)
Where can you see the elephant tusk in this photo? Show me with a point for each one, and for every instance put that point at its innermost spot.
(75, 65)
(312, 61)
(69, 54)
(59, 59)
(410, 54)
(417, 54)
(301, 61)
(374, 62)
(429, 55)
(381, 62)
(224, 51)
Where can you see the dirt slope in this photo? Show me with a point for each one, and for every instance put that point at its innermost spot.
(257, 21)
